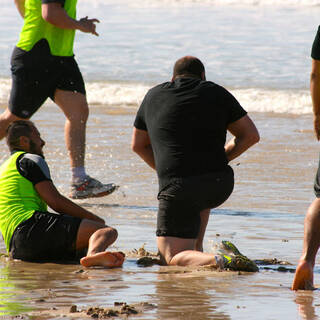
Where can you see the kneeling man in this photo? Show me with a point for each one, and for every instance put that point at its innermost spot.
(30, 232)
(180, 131)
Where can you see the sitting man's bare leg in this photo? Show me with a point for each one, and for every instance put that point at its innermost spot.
(180, 252)
(97, 237)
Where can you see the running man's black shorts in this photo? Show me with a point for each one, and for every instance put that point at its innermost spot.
(46, 237)
(37, 74)
(182, 200)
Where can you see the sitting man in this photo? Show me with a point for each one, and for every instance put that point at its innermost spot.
(30, 232)
(180, 131)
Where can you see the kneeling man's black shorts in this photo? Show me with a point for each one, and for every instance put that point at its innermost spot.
(45, 237)
(182, 200)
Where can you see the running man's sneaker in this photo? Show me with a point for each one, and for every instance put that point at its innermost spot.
(91, 188)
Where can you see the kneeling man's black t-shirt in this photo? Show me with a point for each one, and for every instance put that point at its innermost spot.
(187, 122)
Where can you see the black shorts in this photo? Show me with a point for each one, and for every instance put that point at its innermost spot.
(316, 186)
(46, 237)
(37, 74)
(182, 200)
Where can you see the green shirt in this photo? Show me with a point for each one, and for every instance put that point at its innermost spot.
(18, 198)
(36, 28)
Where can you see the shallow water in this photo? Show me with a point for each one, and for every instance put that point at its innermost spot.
(263, 217)
(257, 48)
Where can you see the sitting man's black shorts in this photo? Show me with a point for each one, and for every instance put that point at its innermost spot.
(37, 74)
(182, 200)
(46, 237)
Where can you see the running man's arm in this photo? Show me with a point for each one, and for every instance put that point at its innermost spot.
(55, 14)
(141, 145)
(245, 135)
(315, 95)
(20, 6)
(55, 200)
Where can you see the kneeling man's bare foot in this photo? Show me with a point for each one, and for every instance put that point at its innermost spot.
(303, 278)
(104, 259)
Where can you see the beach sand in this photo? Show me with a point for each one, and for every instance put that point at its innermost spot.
(263, 217)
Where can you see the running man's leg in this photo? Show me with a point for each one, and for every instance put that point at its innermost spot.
(97, 237)
(303, 278)
(180, 252)
(204, 217)
(5, 119)
(75, 107)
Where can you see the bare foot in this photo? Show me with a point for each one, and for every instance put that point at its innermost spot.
(104, 259)
(303, 278)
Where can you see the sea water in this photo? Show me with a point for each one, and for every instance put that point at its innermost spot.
(257, 49)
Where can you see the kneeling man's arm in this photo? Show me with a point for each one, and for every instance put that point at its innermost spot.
(245, 135)
(142, 146)
(55, 200)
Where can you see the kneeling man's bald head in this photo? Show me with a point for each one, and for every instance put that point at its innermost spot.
(188, 66)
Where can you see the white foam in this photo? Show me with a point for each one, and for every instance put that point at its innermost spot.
(116, 94)
(5, 85)
(129, 95)
(278, 101)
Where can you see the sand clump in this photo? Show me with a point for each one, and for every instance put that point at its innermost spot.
(120, 310)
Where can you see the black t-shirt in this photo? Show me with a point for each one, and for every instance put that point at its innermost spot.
(52, 1)
(315, 52)
(187, 124)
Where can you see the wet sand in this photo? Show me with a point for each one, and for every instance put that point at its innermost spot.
(263, 217)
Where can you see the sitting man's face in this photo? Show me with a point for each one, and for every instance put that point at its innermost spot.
(36, 144)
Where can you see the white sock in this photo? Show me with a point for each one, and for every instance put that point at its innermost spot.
(78, 174)
(219, 261)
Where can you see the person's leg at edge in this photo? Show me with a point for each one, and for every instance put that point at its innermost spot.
(75, 107)
(204, 218)
(180, 252)
(97, 237)
(303, 278)
(5, 119)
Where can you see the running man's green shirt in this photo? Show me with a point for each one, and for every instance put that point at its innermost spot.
(36, 28)
(18, 196)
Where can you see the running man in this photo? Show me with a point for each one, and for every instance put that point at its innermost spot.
(180, 131)
(303, 278)
(42, 66)
(30, 232)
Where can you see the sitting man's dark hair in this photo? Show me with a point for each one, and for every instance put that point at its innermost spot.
(17, 129)
(188, 66)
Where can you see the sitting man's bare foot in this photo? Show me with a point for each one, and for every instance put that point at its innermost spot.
(104, 259)
(303, 278)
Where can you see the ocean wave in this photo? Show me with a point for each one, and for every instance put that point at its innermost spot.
(152, 3)
(129, 96)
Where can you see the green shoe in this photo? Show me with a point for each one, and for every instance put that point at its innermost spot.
(239, 263)
(229, 246)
